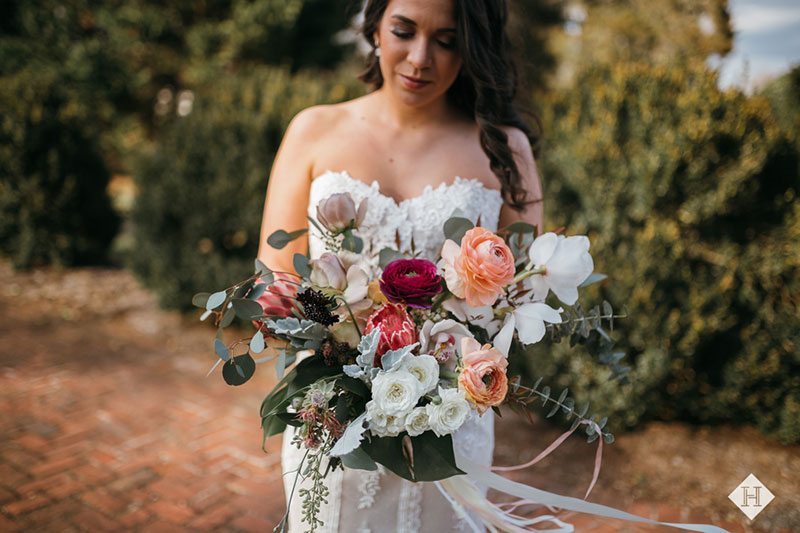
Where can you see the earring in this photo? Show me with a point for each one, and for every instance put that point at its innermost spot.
(377, 51)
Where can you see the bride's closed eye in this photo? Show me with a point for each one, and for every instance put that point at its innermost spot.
(405, 35)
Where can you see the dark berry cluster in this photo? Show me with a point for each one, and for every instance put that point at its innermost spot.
(316, 307)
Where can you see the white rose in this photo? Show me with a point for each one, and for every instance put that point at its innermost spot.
(381, 424)
(396, 393)
(450, 414)
(417, 422)
(423, 367)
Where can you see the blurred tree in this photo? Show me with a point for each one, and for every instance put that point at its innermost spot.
(222, 153)
(784, 96)
(672, 31)
(531, 26)
(689, 195)
(59, 86)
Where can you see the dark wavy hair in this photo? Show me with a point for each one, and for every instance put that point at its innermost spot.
(485, 87)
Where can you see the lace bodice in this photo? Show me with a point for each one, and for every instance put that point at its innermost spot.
(413, 225)
(380, 501)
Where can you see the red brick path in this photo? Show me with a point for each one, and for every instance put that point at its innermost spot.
(109, 423)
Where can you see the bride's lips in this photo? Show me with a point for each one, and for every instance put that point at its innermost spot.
(413, 83)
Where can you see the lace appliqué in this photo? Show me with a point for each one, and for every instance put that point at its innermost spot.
(368, 487)
(409, 508)
(412, 226)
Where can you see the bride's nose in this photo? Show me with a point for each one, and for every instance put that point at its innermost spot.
(419, 55)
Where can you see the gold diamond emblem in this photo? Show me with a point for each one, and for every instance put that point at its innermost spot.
(751, 496)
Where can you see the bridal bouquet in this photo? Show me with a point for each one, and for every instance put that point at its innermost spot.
(389, 355)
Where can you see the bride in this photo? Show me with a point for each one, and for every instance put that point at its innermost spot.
(439, 132)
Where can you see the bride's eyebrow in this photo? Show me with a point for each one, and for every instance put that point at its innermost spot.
(410, 22)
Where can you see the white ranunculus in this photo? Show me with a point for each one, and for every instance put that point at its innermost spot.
(396, 393)
(417, 421)
(450, 414)
(423, 367)
(567, 264)
(382, 424)
(441, 338)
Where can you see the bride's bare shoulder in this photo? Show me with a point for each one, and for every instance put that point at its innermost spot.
(319, 121)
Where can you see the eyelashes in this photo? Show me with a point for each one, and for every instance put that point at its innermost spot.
(405, 35)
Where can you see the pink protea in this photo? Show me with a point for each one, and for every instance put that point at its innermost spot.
(396, 326)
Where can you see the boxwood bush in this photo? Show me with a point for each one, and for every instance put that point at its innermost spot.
(689, 195)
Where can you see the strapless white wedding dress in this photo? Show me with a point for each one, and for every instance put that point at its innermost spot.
(379, 501)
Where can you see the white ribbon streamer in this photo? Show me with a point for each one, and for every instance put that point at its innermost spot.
(489, 512)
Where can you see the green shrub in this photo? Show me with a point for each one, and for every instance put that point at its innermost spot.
(688, 194)
(201, 191)
(53, 202)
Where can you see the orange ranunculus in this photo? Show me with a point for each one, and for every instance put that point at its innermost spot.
(485, 266)
(483, 374)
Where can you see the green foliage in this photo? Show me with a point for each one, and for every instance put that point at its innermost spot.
(53, 178)
(689, 195)
(654, 32)
(784, 97)
(198, 214)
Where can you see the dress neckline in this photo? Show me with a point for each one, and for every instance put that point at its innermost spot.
(376, 186)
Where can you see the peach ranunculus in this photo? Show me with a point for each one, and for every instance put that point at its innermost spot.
(483, 374)
(481, 269)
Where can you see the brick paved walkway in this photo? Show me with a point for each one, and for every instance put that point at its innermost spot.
(108, 422)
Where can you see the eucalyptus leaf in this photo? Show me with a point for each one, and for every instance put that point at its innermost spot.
(455, 228)
(227, 318)
(352, 242)
(215, 300)
(594, 277)
(280, 364)
(257, 292)
(238, 370)
(281, 238)
(262, 269)
(257, 344)
(387, 255)
(301, 265)
(221, 350)
(247, 309)
(200, 299)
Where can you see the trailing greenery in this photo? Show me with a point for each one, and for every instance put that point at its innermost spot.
(201, 189)
(688, 194)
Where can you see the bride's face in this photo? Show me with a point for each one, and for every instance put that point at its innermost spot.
(419, 58)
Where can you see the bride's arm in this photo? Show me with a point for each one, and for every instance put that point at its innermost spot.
(523, 155)
(286, 202)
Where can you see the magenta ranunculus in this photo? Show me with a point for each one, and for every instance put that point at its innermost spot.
(413, 282)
